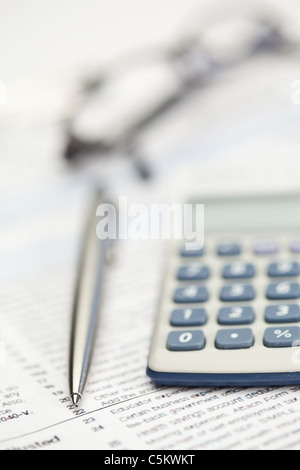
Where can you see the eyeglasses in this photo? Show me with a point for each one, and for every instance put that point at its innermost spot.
(122, 102)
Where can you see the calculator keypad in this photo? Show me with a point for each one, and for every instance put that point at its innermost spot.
(284, 269)
(186, 340)
(229, 249)
(190, 294)
(266, 247)
(192, 253)
(283, 337)
(193, 272)
(188, 317)
(236, 294)
(236, 316)
(295, 246)
(284, 313)
(283, 291)
(238, 271)
(237, 338)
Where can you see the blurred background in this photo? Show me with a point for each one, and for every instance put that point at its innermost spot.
(165, 83)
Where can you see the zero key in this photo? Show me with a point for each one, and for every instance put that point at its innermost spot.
(186, 340)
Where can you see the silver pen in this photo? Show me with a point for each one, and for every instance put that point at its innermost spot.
(87, 302)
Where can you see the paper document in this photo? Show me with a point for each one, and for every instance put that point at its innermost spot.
(42, 211)
(121, 408)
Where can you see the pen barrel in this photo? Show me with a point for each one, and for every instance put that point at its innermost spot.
(86, 303)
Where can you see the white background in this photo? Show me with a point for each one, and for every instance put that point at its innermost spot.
(39, 35)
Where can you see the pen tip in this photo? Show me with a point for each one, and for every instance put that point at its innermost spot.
(75, 397)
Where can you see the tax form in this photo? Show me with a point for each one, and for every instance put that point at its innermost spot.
(121, 408)
(42, 208)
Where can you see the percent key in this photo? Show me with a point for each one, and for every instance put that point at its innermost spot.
(283, 337)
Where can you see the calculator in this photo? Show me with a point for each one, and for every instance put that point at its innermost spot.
(229, 313)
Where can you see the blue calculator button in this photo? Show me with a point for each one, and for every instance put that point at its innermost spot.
(237, 338)
(238, 271)
(188, 317)
(229, 249)
(193, 272)
(186, 340)
(283, 290)
(192, 253)
(236, 316)
(282, 337)
(266, 247)
(284, 269)
(288, 313)
(237, 292)
(191, 294)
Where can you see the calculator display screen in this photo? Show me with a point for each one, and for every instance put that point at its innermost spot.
(252, 213)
